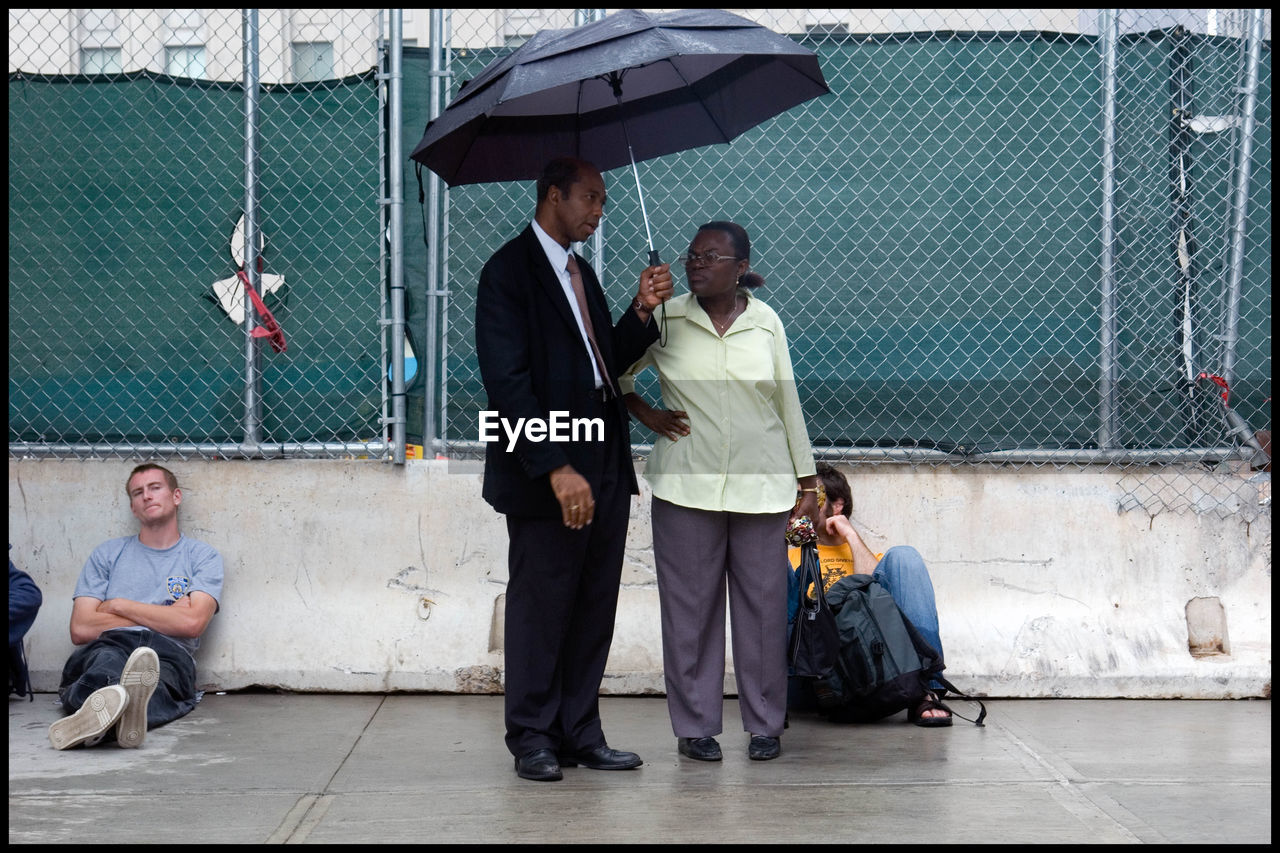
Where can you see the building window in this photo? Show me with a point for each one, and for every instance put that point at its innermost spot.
(312, 60)
(100, 60)
(520, 25)
(828, 30)
(185, 61)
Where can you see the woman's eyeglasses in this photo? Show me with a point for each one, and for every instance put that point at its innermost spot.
(707, 257)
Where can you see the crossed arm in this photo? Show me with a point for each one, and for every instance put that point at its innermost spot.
(186, 617)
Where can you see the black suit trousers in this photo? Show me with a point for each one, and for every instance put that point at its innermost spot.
(562, 596)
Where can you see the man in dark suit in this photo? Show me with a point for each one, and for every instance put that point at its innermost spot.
(548, 348)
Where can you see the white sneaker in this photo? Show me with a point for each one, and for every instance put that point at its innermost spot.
(94, 718)
(139, 677)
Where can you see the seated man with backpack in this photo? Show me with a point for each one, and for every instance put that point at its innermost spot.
(900, 571)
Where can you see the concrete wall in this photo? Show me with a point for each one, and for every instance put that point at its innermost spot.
(357, 576)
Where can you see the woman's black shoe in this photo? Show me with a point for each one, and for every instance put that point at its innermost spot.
(701, 748)
(763, 748)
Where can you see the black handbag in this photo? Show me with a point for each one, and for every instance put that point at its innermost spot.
(815, 642)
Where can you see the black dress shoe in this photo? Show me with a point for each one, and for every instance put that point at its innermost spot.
(539, 765)
(763, 748)
(602, 758)
(701, 748)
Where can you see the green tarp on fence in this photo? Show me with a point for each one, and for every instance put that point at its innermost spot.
(123, 194)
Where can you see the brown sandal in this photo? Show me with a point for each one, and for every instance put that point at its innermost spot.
(930, 702)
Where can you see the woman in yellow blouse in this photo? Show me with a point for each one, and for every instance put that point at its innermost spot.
(730, 454)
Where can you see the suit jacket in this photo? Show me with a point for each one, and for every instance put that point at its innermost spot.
(533, 362)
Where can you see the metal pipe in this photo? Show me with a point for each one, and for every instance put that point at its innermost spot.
(427, 361)
(1193, 456)
(252, 422)
(1231, 323)
(446, 76)
(238, 450)
(459, 450)
(395, 198)
(1231, 326)
(382, 61)
(1107, 307)
(475, 450)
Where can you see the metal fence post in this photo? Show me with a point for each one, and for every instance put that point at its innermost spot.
(1231, 324)
(1231, 330)
(252, 432)
(429, 359)
(395, 197)
(442, 285)
(1107, 308)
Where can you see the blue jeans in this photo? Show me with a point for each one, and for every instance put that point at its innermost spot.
(99, 663)
(902, 572)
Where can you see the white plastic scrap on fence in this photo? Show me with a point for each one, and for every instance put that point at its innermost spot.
(230, 291)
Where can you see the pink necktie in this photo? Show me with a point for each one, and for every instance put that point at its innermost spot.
(575, 278)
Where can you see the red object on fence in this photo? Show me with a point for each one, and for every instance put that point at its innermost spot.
(1219, 381)
(269, 328)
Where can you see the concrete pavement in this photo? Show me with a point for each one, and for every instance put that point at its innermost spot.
(268, 767)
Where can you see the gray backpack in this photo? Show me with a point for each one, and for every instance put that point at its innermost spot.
(885, 665)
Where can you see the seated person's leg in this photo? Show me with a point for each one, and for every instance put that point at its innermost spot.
(176, 694)
(93, 665)
(902, 571)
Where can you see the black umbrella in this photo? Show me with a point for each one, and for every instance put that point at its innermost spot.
(629, 87)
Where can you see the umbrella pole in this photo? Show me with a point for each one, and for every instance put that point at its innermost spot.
(615, 81)
(654, 259)
(653, 253)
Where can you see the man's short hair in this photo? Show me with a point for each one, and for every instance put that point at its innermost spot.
(562, 172)
(836, 486)
(151, 466)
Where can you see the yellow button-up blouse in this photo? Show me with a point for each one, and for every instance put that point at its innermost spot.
(747, 442)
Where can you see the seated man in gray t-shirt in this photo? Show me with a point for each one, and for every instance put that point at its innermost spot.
(140, 606)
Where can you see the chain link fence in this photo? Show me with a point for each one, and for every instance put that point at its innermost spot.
(1011, 236)
(134, 158)
(1008, 237)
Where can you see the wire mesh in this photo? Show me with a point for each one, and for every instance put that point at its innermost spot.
(931, 234)
(127, 192)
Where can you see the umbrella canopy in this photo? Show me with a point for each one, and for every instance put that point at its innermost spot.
(661, 83)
